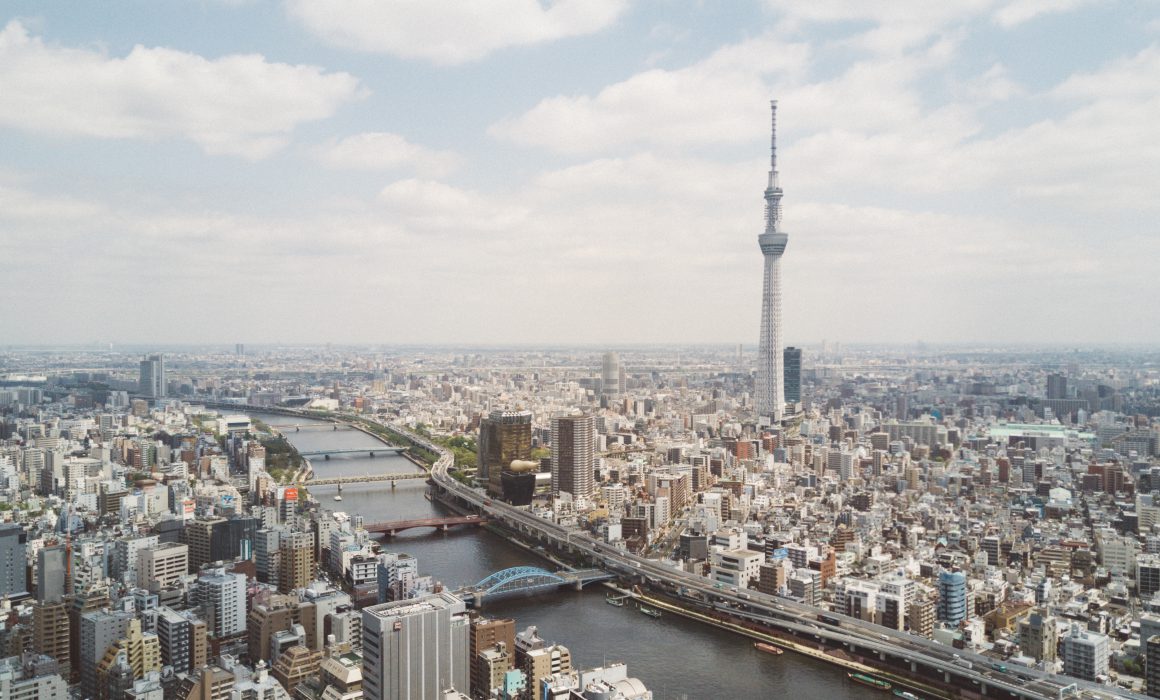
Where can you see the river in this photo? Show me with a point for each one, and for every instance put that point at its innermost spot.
(676, 658)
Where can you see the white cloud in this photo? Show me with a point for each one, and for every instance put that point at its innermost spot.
(719, 100)
(1017, 12)
(450, 32)
(386, 151)
(434, 206)
(239, 104)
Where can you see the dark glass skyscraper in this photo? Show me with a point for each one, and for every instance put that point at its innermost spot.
(793, 374)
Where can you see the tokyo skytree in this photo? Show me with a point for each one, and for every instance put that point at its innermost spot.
(770, 397)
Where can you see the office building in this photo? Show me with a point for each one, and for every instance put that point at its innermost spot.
(504, 436)
(770, 394)
(162, 566)
(573, 442)
(152, 377)
(13, 562)
(1056, 386)
(295, 665)
(99, 631)
(486, 636)
(612, 378)
(1085, 654)
(296, 565)
(51, 572)
(51, 632)
(222, 598)
(31, 677)
(182, 637)
(416, 649)
(1152, 664)
(792, 378)
(952, 596)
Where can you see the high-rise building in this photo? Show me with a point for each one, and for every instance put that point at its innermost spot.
(222, 597)
(50, 633)
(99, 631)
(486, 635)
(793, 375)
(504, 436)
(13, 564)
(182, 636)
(770, 394)
(1038, 637)
(952, 596)
(296, 562)
(152, 378)
(573, 441)
(1056, 386)
(51, 571)
(162, 566)
(415, 649)
(1152, 664)
(612, 378)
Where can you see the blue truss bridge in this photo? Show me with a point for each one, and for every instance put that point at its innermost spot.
(527, 580)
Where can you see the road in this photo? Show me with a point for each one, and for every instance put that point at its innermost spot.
(859, 637)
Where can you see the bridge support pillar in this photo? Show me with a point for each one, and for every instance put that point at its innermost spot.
(443, 528)
(577, 586)
(947, 676)
(982, 688)
(913, 667)
(882, 655)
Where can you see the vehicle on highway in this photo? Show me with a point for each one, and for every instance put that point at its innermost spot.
(829, 620)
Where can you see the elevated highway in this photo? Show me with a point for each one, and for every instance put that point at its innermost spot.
(907, 654)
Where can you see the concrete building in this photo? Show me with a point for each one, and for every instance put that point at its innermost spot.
(51, 632)
(793, 375)
(13, 562)
(182, 637)
(1038, 636)
(1085, 654)
(612, 377)
(99, 631)
(162, 566)
(416, 649)
(952, 596)
(222, 597)
(573, 443)
(296, 565)
(51, 571)
(31, 677)
(152, 382)
(737, 567)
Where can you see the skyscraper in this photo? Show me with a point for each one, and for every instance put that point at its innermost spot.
(573, 438)
(222, 597)
(504, 436)
(612, 381)
(952, 596)
(415, 649)
(793, 375)
(152, 380)
(770, 397)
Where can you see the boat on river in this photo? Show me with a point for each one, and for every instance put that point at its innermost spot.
(768, 648)
(614, 601)
(651, 612)
(338, 496)
(906, 694)
(869, 680)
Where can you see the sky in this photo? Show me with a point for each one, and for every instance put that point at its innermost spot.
(577, 171)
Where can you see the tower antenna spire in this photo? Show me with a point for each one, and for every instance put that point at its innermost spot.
(773, 189)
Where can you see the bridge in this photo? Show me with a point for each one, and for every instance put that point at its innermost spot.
(443, 524)
(364, 479)
(525, 580)
(353, 451)
(298, 427)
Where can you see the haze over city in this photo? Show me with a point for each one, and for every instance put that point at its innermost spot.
(584, 172)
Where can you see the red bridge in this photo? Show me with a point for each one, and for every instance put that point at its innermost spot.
(390, 528)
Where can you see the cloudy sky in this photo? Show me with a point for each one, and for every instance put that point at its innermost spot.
(577, 171)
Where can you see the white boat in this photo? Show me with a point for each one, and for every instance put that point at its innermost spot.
(338, 496)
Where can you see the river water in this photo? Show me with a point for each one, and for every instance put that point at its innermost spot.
(676, 658)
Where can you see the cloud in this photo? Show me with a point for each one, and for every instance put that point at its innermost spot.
(386, 151)
(656, 107)
(1017, 12)
(429, 206)
(239, 104)
(450, 32)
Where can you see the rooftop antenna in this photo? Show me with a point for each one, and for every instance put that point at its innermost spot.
(773, 190)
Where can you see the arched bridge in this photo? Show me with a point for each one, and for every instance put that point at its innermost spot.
(390, 528)
(528, 579)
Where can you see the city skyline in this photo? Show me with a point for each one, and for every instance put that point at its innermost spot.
(980, 171)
